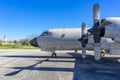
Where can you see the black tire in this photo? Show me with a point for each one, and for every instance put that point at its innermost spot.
(54, 55)
(75, 51)
(102, 53)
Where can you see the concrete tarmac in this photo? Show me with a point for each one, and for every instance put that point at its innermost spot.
(36, 65)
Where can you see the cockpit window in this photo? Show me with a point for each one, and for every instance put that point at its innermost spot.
(46, 33)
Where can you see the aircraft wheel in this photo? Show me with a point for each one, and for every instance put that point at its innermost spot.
(102, 53)
(54, 55)
(75, 51)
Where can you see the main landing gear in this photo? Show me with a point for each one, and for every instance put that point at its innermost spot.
(54, 55)
(75, 51)
(102, 53)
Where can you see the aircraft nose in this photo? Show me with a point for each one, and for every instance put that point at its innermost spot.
(34, 42)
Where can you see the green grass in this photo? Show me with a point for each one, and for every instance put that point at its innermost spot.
(17, 47)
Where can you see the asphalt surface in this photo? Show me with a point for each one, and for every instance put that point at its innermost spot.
(36, 65)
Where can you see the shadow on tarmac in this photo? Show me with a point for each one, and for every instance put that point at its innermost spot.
(108, 68)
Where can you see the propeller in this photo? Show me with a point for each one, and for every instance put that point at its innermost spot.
(95, 30)
(83, 40)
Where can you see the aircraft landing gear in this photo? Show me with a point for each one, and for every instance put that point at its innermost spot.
(102, 53)
(54, 55)
(75, 51)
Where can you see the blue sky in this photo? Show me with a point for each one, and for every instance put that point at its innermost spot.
(21, 18)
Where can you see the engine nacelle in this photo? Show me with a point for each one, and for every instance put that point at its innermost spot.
(114, 49)
(117, 40)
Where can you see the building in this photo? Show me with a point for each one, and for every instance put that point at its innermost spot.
(5, 41)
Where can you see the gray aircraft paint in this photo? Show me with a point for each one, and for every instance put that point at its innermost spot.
(67, 39)
(113, 30)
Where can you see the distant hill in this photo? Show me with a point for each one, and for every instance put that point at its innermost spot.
(31, 36)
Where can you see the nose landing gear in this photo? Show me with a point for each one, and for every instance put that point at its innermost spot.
(54, 55)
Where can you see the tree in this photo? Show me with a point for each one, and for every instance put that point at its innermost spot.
(24, 42)
(15, 42)
(0, 42)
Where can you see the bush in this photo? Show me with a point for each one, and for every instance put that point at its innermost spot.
(24, 42)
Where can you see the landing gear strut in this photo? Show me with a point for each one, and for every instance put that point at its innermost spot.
(75, 51)
(54, 55)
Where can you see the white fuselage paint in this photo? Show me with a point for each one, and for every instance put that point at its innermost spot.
(67, 39)
(113, 30)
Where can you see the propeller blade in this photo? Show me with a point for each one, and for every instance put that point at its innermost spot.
(96, 12)
(104, 23)
(83, 32)
(96, 15)
(97, 47)
(83, 40)
(84, 52)
(83, 28)
(96, 32)
(97, 51)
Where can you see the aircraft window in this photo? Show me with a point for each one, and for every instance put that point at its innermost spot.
(46, 33)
